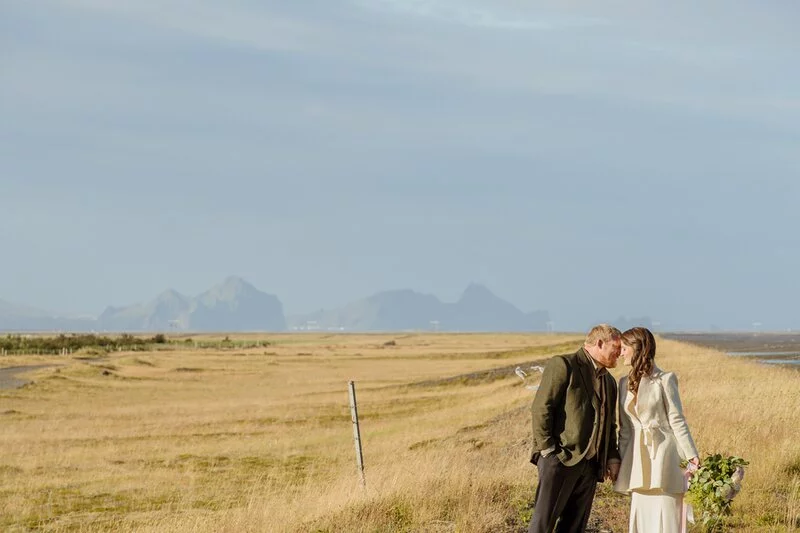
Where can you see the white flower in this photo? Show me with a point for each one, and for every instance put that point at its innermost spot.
(738, 475)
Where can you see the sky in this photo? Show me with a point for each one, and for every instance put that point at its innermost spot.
(594, 159)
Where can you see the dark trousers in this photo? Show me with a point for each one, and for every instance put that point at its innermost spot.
(564, 496)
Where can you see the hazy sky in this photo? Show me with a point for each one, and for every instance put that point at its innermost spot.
(593, 159)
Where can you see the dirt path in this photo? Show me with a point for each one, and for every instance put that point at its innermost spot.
(9, 379)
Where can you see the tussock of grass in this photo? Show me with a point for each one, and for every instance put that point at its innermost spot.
(471, 504)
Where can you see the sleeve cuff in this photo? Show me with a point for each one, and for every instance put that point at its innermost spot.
(548, 451)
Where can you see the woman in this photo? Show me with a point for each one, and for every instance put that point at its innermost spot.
(653, 439)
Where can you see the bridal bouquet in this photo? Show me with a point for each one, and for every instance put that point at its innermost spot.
(713, 486)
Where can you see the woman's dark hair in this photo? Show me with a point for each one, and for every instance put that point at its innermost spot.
(643, 343)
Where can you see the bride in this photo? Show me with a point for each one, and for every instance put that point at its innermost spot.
(653, 439)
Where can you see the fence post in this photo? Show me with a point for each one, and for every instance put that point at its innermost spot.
(356, 432)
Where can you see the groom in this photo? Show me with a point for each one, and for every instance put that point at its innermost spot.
(575, 432)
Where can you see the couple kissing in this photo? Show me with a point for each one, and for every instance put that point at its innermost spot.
(587, 429)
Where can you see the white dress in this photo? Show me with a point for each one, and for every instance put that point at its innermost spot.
(654, 438)
(653, 510)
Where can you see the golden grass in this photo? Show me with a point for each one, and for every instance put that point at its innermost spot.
(261, 439)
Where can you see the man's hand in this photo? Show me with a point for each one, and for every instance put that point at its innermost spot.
(612, 471)
(548, 451)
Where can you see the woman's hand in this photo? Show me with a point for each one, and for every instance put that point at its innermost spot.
(695, 461)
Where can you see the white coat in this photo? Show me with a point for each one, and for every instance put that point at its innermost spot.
(653, 436)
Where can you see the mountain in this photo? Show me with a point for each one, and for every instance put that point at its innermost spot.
(236, 305)
(14, 317)
(233, 305)
(170, 309)
(478, 309)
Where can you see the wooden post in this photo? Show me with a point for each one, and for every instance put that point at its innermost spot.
(356, 432)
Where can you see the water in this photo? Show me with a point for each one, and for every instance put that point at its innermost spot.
(793, 362)
(789, 359)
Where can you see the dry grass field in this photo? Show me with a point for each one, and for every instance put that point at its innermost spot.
(252, 440)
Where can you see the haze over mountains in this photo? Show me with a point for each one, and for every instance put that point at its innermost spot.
(478, 309)
(236, 305)
(233, 305)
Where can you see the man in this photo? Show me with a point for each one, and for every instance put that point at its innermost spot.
(575, 432)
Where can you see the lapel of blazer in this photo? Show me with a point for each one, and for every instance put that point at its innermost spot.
(629, 404)
(655, 390)
(648, 396)
(586, 369)
(625, 396)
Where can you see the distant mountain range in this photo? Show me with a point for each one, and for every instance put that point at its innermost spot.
(22, 318)
(236, 305)
(478, 309)
(233, 305)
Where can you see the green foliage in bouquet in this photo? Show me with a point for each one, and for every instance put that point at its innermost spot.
(713, 487)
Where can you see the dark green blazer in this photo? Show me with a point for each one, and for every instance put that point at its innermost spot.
(565, 410)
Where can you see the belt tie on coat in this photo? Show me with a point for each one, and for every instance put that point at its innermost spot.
(653, 435)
